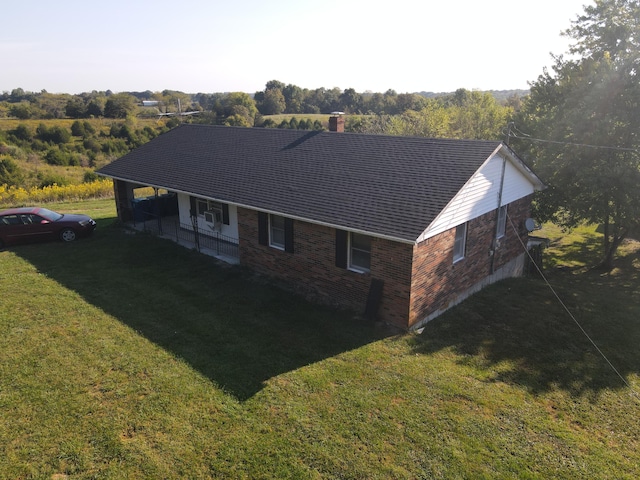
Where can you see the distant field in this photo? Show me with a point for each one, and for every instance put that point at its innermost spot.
(323, 117)
(98, 123)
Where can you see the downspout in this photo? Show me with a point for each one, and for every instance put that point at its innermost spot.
(494, 242)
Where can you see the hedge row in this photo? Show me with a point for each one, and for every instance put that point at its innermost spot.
(18, 196)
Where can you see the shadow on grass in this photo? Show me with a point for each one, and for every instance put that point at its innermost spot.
(237, 330)
(517, 332)
(587, 251)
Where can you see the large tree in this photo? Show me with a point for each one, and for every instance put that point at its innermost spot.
(583, 121)
(476, 115)
(120, 105)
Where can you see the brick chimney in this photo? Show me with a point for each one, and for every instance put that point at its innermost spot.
(336, 122)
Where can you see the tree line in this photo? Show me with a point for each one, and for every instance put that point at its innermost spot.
(239, 107)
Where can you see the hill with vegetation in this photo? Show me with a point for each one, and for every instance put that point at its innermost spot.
(61, 139)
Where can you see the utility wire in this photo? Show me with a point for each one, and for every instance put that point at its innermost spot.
(584, 332)
(523, 136)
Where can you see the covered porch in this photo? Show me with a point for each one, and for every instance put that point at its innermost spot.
(173, 216)
(192, 235)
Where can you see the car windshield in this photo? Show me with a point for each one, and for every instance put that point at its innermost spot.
(49, 214)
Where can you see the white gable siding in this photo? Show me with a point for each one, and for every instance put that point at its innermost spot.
(516, 185)
(480, 195)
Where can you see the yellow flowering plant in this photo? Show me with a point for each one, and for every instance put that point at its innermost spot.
(17, 196)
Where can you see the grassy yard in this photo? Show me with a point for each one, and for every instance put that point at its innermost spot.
(126, 356)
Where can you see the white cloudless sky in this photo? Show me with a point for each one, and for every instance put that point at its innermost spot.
(71, 46)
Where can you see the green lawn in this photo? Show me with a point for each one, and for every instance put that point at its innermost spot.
(126, 356)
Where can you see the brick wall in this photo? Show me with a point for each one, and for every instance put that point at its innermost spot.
(418, 279)
(509, 246)
(437, 282)
(312, 271)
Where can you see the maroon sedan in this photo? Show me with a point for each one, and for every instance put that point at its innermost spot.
(32, 224)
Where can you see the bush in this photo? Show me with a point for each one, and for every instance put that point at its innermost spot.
(90, 177)
(20, 110)
(55, 156)
(22, 132)
(88, 128)
(149, 133)
(16, 196)
(173, 122)
(56, 134)
(52, 179)
(115, 147)
(10, 173)
(77, 129)
(92, 145)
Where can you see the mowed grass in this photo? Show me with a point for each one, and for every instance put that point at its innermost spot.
(126, 356)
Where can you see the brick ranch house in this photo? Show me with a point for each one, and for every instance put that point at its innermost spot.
(398, 228)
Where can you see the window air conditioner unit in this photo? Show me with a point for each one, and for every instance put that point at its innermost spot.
(212, 219)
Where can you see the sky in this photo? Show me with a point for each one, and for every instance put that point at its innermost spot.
(70, 46)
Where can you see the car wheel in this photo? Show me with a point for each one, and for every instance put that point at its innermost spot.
(67, 235)
(1, 244)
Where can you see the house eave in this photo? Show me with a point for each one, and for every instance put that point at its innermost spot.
(516, 161)
(272, 212)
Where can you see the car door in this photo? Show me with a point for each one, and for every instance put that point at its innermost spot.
(37, 228)
(11, 228)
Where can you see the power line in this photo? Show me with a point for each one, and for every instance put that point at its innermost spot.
(564, 306)
(523, 136)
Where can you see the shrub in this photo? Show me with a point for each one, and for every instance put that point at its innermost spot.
(92, 145)
(149, 133)
(22, 132)
(53, 179)
(115, 147)
(173, 122)
(55, 156)
(77, 129)
(21, 110)
(10, 173)
(90, 177)
(16, 196)
(88, 128)
(56, 134)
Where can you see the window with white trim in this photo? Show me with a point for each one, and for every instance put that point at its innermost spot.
(276, 231)
(502, 222)
(212, 211)
(459, 244)
(359, 252)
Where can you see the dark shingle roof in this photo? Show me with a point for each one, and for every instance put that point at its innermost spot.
(387, 186)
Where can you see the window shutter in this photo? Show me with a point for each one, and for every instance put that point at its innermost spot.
(225, 213)
(194, 210)
(288, 235)
(263, 228)
(341, 248)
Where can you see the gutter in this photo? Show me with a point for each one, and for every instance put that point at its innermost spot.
(273, 212)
